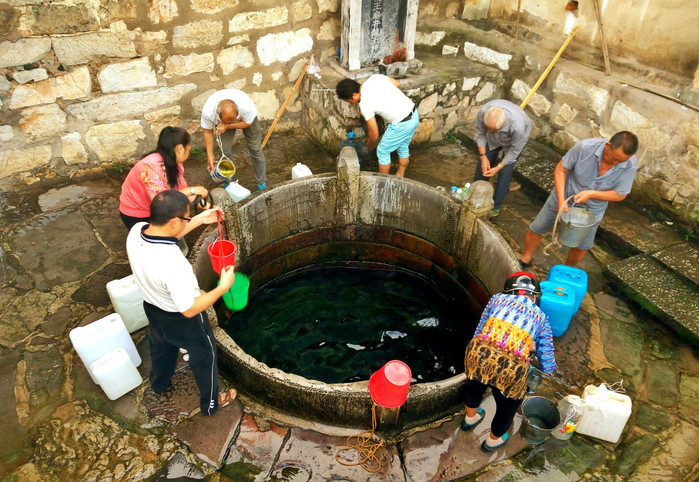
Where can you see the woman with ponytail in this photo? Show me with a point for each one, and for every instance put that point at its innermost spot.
(159, 170)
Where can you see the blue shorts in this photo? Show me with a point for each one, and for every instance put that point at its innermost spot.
(547, 217)
(397, 137)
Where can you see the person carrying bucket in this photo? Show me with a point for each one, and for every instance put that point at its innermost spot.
(174, 304)
(593, 172)
(497, 356)
(223, 113)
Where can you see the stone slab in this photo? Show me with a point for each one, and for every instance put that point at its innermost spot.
(660, 291)
(447, 452)
(573, 457)
(209, 437)
(257, 446)
(312, 454)
(77, 193)
(178, 402)
(682, 259)
(46, 247)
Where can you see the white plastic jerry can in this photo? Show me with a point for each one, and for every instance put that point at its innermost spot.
(116, 373)
(95, 340)
(128, 302)
(300, 170)
(236, 191)
(606, 413)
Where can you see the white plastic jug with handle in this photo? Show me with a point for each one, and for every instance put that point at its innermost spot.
(100, 337)
(128, 302)
(300, 170)
(606, 413)
(116, 373)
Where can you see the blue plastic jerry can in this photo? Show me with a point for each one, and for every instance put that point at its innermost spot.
(558, 302)
(574, 277)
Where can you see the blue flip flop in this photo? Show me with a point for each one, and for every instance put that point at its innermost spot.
(488, 448)
(465, 426)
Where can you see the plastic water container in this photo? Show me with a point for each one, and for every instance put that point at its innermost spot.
(571, 408)
(128, 302)
(606, 413)
(352, 142)
(558, 302)
(116, 373)
(300, 170)
(100, 337)
(236, 191)
(574, 277)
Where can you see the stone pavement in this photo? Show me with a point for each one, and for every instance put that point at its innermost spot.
(60, 245)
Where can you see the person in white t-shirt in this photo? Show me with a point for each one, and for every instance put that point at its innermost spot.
(224, 112)
(174, 305)
(380, 95)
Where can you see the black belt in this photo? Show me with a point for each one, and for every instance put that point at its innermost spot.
(408, 117)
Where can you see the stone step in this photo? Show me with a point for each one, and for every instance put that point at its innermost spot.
(683, 259)
(669, 296)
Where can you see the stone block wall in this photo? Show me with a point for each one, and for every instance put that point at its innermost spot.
(577, 100)
(443, 101)
(88, 84)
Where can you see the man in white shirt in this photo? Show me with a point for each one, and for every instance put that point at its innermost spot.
(380, 95)
(224, 112)
(173, 303)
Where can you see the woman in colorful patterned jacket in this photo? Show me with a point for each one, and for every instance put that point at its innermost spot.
(511, 326)
(158, 171)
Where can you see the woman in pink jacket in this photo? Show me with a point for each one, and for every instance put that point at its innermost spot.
(160, 170)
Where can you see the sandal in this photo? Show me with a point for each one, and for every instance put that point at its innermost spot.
(525, 265)
(465, 426)
(488, 448)
(225, 398)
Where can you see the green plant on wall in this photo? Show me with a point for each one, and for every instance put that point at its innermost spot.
(119, 166)
(450, 137)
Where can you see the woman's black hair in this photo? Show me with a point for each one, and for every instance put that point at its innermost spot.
(169, 138)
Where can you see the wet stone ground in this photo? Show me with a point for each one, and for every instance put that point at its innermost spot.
(61, 243)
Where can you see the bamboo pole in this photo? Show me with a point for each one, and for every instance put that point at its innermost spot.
(286, 101)
(548, 69)
(607, 68)
(519, 9)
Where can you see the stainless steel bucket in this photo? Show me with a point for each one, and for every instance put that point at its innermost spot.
(541, 416)
(574, 226)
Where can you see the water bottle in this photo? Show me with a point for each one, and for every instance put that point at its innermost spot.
(571, 408)
(354, 144)
(453, 191)
(534, 379)
(464, 190)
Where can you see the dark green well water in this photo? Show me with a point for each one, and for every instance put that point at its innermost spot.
(340, 324)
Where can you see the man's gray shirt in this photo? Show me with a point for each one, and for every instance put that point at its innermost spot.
(583, 162)
(512, 136)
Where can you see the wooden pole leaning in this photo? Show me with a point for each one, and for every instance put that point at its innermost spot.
(519, 9)
(548, 69)
(286, 101)
(605, 51)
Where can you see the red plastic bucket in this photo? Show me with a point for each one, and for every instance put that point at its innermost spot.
(389, 385)
(222, 254)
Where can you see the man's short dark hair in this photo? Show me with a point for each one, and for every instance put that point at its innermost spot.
(626, 140)
(346, 88)
(167, 205)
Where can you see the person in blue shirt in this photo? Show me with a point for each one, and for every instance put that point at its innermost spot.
(497, 357)
(593, 172)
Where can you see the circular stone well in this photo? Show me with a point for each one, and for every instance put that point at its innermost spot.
(363, 219)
